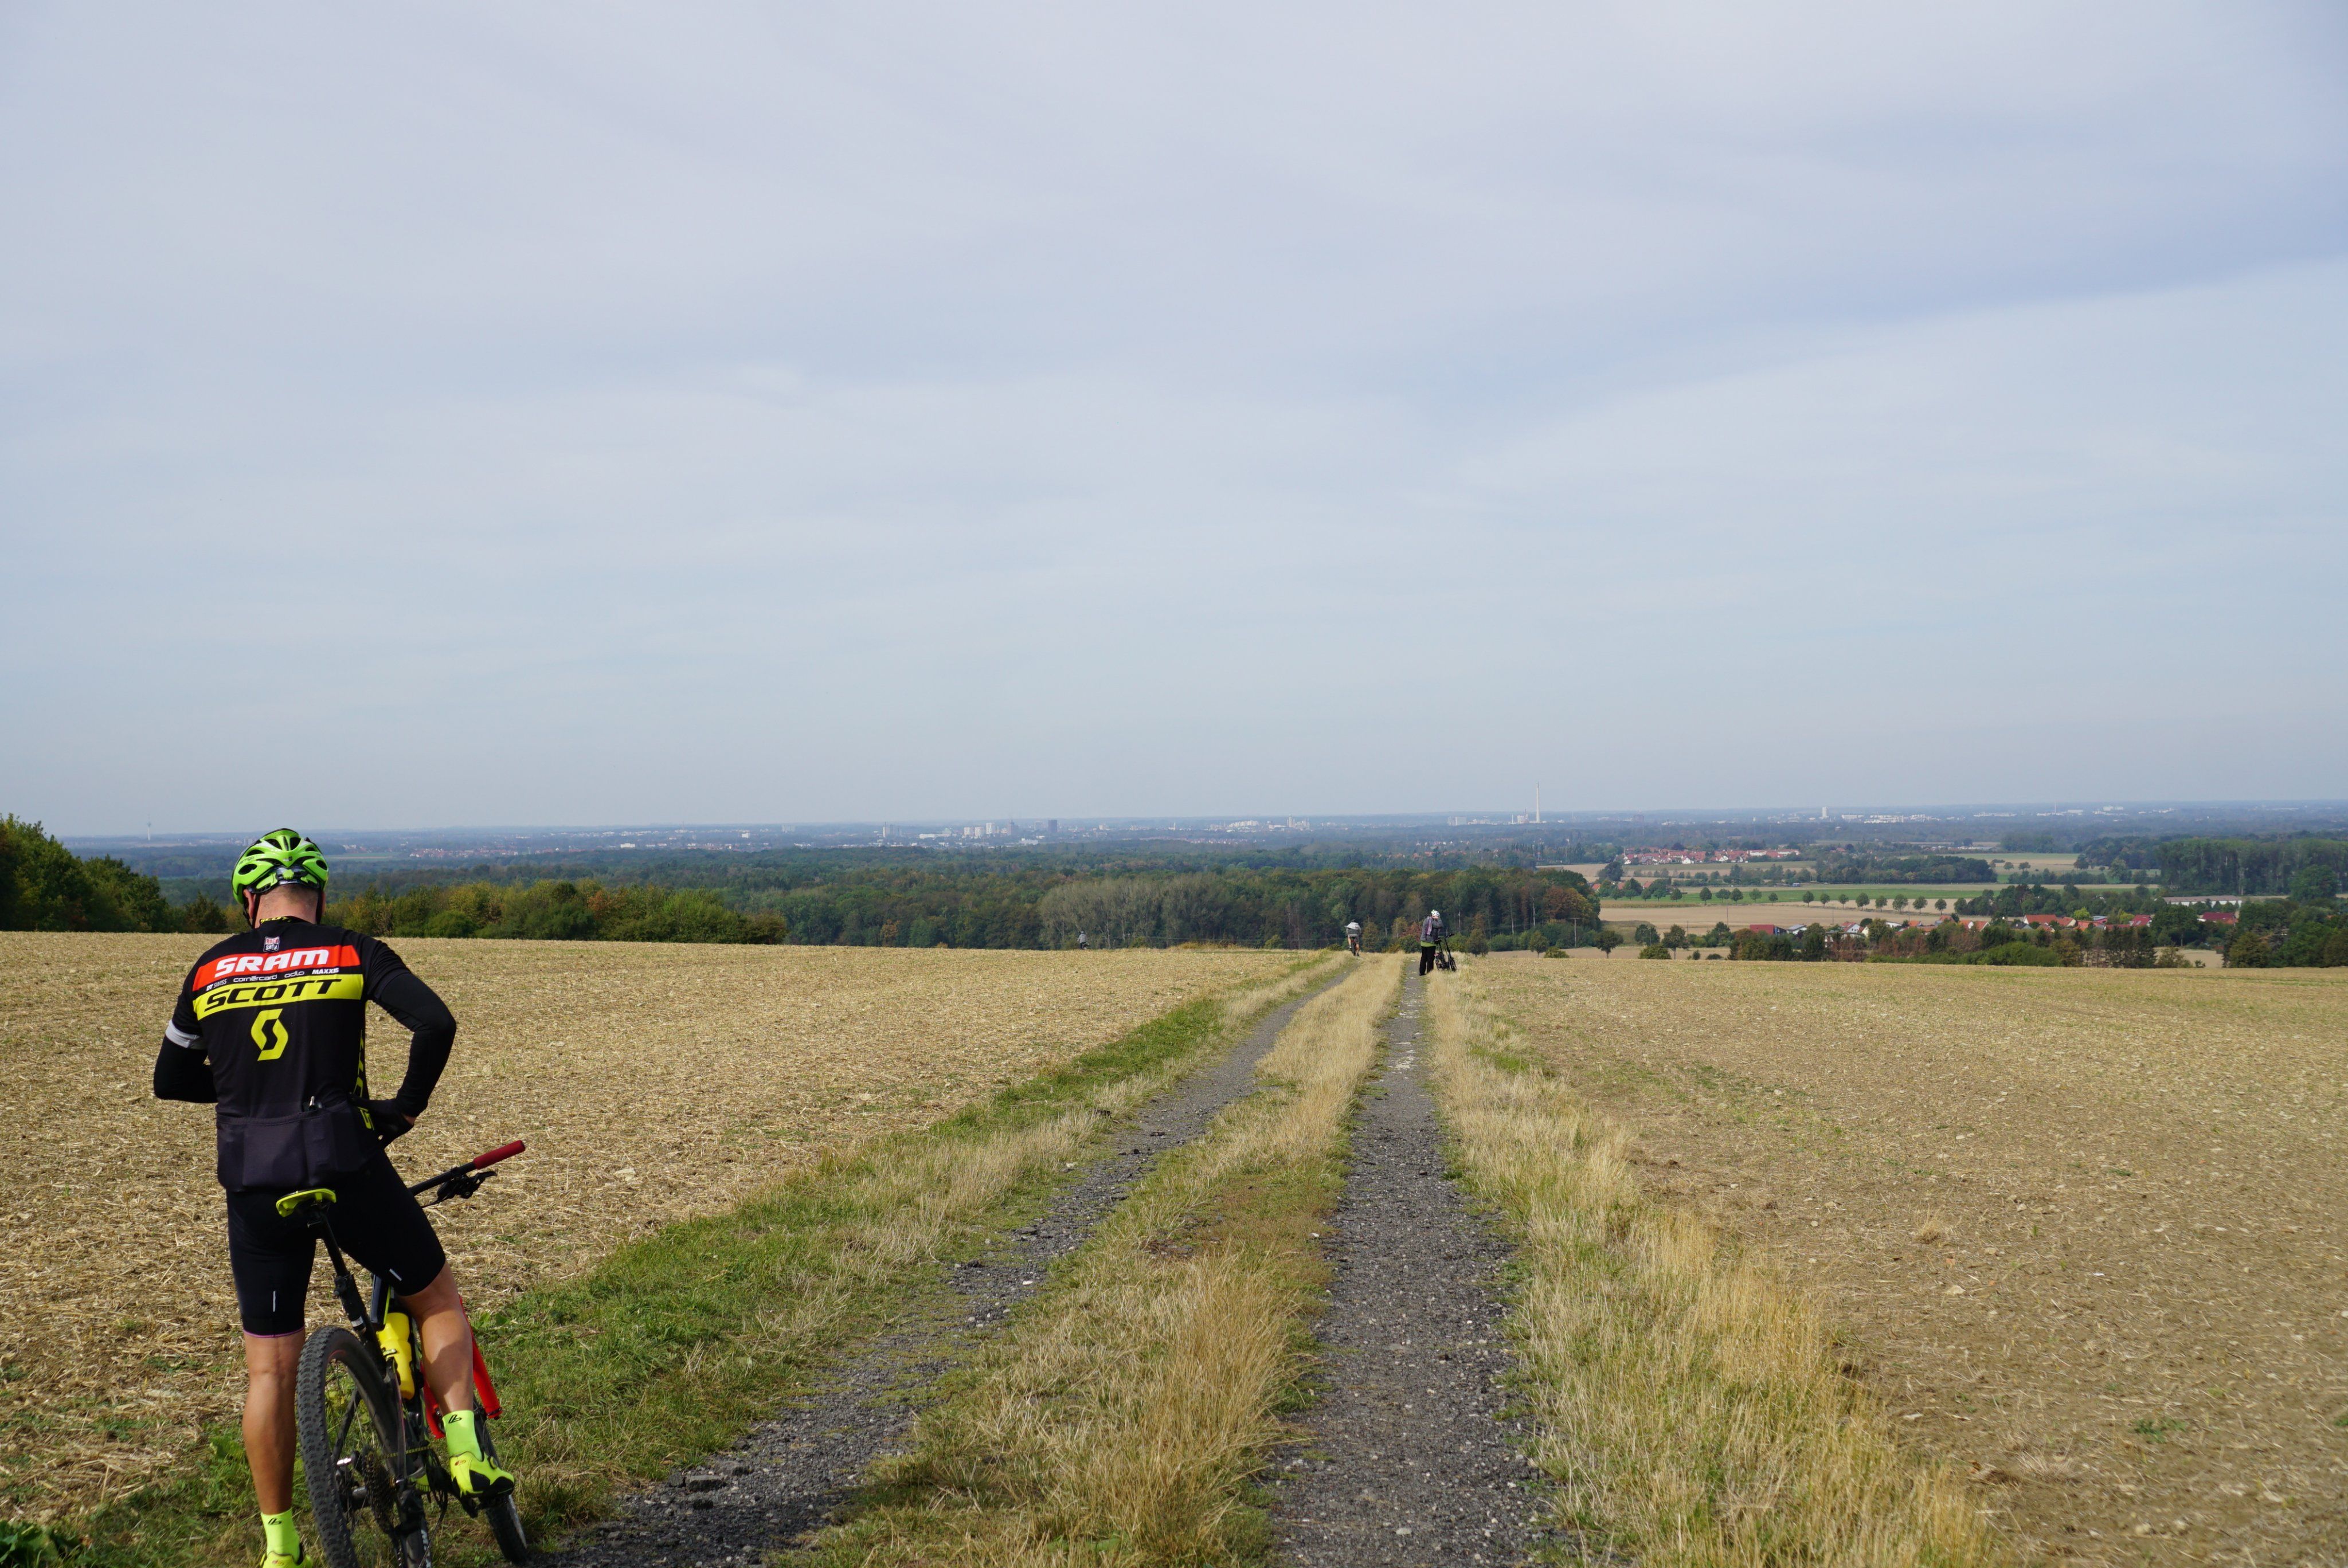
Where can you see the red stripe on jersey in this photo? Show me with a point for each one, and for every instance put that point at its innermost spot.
(292, 960)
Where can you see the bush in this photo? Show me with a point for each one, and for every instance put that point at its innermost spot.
(2248, 951)
(2021, 955)
(1654, 950)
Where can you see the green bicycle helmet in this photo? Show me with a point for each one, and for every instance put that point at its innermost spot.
(279, 857)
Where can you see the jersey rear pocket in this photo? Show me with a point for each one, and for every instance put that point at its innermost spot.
(325, 1139)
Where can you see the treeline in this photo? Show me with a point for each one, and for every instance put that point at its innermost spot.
(1309, 909)
(2248, 867)
(45, 886)
(2273, 934)
(2251, 868)
(2289, 932)
(554, 911)
(904, 907)
(1855, 865)
(1953, 942)
(2018, 898)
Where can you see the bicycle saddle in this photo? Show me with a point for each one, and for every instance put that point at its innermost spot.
(294, 1203)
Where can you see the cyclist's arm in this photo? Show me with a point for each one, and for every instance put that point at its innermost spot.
(431, 1026)
(181, 1070)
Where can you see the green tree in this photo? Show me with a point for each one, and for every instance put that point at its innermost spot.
(47, 887)
(1607, 940)
(2315, 885)
(1675, 937)
(1646, 934)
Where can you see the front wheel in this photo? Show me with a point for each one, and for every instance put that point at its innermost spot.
(353, 1457)
(505, 1519)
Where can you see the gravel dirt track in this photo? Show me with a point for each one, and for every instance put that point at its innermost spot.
(1407, 1460)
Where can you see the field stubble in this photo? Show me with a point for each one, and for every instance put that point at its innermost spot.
(2083, 1230)
(653, 1082)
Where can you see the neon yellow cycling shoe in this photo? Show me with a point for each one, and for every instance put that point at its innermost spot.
(279, 1558)
(478, 1478)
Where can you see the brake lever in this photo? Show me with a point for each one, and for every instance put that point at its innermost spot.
(462, 1185)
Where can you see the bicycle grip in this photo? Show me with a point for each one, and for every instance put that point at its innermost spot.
(502, 1151)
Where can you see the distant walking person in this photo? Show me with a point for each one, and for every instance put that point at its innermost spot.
(1430, 932)
(1353, 937)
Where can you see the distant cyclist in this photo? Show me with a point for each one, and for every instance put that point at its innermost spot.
(1353, 937)
(271, 1027)
(1430, 932)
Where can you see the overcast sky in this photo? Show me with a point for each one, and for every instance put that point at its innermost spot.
(550, 413)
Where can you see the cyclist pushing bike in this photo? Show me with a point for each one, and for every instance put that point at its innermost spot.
(271, 1028)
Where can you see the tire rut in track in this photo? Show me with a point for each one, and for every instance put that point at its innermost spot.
(791, 1475)
(1407, 1459)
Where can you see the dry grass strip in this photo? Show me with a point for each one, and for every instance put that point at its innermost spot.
(1114, 1422)
(655, 1082)
(1688, 1405)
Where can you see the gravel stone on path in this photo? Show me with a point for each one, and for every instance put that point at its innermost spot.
(1407, 1460)
(792, 1475)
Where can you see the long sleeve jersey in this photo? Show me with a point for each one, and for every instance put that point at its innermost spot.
(273, 1019)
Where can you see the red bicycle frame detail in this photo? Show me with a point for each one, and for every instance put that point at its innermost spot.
(483, 1390)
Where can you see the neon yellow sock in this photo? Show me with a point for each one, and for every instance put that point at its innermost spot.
(462, 1438)
(278, 1534)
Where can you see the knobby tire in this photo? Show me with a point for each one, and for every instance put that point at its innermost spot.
(504, 1517)
(345, 1410)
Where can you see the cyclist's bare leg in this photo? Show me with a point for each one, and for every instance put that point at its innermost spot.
(439, 1314)
(272, 1362)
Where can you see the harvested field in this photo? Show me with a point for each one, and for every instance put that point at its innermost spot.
(2086, 1232)
(653, 1082)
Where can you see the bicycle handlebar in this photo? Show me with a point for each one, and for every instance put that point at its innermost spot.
(459, 1181)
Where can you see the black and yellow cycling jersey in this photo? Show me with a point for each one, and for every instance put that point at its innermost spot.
(271, 1026)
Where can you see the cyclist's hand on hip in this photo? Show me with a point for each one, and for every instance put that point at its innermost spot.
(390, 1124)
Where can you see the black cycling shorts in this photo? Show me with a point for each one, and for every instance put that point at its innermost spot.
(377, 1220)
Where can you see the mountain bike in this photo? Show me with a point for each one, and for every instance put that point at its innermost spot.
(366, 1416)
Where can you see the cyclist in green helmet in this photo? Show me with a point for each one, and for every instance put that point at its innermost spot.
(271, 1030)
